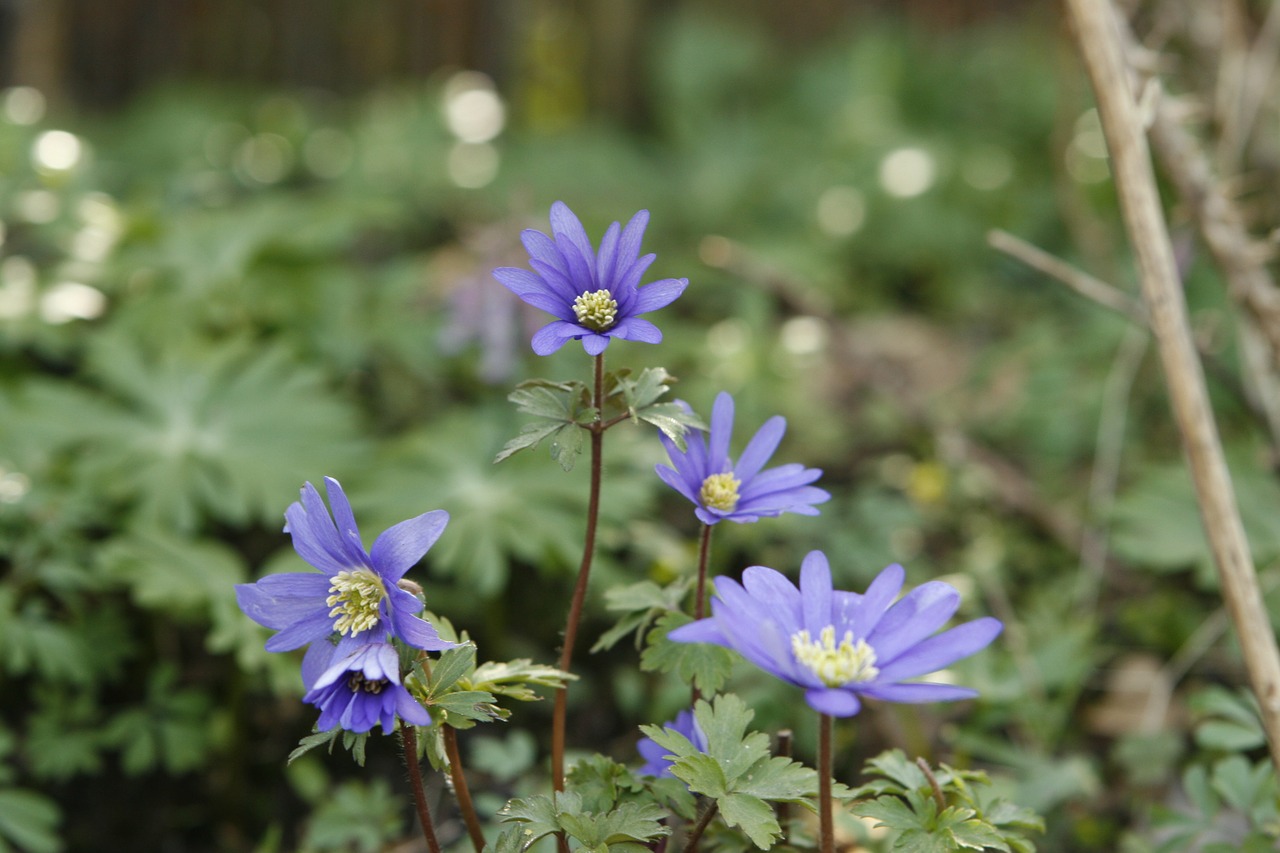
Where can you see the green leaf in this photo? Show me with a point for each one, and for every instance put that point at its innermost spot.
(513, 678)
(753, 816)
(312, 741)
(640, 603)
(453, 664)
(357, 816)
(29, 821)
(563, 409)
(703, 665)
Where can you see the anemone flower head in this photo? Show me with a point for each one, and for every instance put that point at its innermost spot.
(842, 646)
(656, 762)
(362, 689)
(705, 474)
(356, 596)
(594, 296)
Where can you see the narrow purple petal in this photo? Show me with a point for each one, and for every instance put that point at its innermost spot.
(628, 282)
(765, 584)
(557, 282)
(637, 329)
(942, 650)
(919, 692)
(761, 447)
(277, 601)
(543, 248)
(400, 546)
(552, 336)
(345, 520)
(832, 701)
(658, 294)
(419, 633)
(721, 431)
(539, 295)
(879, 596)
(607, 257)
(917, 615)
(314, 536)
(565, 224)
(816, 592)
(315, 662)
(791, 500)
(777, 479)
(629, 244)
(408, 709)
(595, 344)
(297, 635)
(702, 631)
(676, 481)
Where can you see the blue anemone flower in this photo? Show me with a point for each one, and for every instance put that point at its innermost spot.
(721, 490)
(362, 689)
(841, 646)
(356, 596)
(656, 760)
(594, 296)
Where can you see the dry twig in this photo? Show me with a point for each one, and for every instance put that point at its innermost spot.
(1097, 35)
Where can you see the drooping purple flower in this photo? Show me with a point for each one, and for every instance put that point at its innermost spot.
(356, 595)
(594, 296)
(656, 762)
(841, 646)
(705, 474)
(362, 689)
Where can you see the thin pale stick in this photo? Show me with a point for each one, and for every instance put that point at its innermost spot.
(1097, 35)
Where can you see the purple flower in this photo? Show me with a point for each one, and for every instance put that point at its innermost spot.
(356, 596)
(594, 296)
(720, 490)
(655, 757)
(840, 646)
(362, 689)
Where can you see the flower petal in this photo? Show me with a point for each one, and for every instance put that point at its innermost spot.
(816, 592)
(760, 448)
(917, 615)
(408, 709)
(345, 520)
(595, 344)
(607, 256)
(397, 548)
(278, 601)
(942, 650)
(533, 290)
(637, 329)
(676, 481)
(552, 336)
(658, 294)
(721, 431)
(918, 692)
(314, 627)
(832, 701)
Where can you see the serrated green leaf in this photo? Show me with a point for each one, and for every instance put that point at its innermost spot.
(891, 813)
(475, 706)
(702, 773)
(702, 665)
(531, 435)
(312, 741)
(642, 603)
(453, 664)
(753, 816)
(512, 678)
(566, 445)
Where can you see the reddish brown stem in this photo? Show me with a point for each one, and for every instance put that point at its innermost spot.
(409, 743)
(695, 835)
(460, 789)
(559, 712)
(704, 550)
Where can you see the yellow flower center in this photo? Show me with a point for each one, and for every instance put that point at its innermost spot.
(720, 491)
(596, 310)
(355, 598)
(834, 665)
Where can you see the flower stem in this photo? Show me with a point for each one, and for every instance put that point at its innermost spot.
(704, 550)
(460, 789)
(826, 828)
(695, 835)
(580, 588)
(409, 743)
(940, 800)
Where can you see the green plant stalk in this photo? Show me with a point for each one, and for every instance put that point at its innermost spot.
(409, 744)
(559, 713)
(826, 826)
(460, 789)
(704, 551)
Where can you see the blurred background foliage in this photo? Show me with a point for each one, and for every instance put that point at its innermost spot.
(253, 249)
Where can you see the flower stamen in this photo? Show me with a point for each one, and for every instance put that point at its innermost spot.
(720, 491)
(355, 598)
(834, 665)
(357, 682)
(597, 310)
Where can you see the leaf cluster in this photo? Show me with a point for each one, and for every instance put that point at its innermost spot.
(930, 810)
